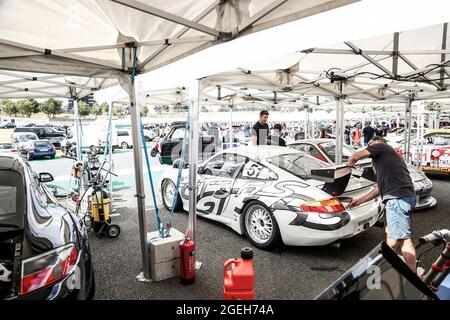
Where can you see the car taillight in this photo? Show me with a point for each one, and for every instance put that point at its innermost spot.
(47, 268)
(157, 147)
(323, 206)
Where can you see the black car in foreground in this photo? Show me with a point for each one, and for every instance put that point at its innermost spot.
(44, 249)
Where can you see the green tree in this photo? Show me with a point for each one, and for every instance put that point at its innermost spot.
(51, 107)
(10, 108)
(144, 111)
(83, 108)
(117, 110)
(28, 107)
(105, 107)
(96, 110)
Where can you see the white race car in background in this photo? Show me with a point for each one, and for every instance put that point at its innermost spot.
(268, 193)
(325, 150)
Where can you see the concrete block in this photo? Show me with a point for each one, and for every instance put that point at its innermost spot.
(164, 255)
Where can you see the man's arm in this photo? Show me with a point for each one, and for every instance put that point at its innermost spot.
(354, 158)
(254, 140)
(371, 195)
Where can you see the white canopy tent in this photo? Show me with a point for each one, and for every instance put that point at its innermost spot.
(402, 67)
(49, 43)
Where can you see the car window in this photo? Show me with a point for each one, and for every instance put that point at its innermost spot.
(224, 165)
(11, 194)
(298, 164)
(329, 148)
(122, 133)
(254, 170)
(178, 133)
(43, 144)
(6, 146)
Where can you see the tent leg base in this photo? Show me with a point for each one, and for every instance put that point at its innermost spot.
(141, 278)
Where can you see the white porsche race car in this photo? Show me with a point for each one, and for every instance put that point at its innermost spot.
(275, 194)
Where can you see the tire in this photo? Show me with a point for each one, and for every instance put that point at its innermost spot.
(90, 295)
(124, 145)
(166, 201)
(52, 157)
(258, 220)
(153, 152)
(29, 157)
(113, 231)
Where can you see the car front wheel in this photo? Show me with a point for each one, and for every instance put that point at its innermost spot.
(168, 192)
(261, 227)
(124, 145)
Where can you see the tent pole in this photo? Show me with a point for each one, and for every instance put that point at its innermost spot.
(231, 123)
(194, 92)
(77, 127)
(408, 115)
(139, 179)
(111, 150)
(339, 124)
(305, 109)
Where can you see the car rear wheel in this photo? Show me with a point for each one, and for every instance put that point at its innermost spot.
(124, 145)
(261, 227)
(168, 192)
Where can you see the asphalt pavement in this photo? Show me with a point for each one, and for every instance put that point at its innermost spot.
(288, 273)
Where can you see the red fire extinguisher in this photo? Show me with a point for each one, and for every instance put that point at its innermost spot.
(187, 260)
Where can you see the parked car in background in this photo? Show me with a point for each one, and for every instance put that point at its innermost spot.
(38, 149)
(170, 147)
(7, 148)
(124, 139)
(7, 125)
(44, 249)
(20, 139)
(325, 150)
(45, 133)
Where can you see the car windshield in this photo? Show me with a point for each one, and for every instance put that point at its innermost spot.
(26, 137)
(438, 140)
(6, 146)
(299, 164)
(330, 150)
(43, 144)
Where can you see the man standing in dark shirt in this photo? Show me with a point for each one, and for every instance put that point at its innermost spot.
(397, 193)
(368, 133)
(275, 138)
(260, 130)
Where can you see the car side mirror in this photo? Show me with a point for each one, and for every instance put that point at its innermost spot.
(201, 170)
(45, 177)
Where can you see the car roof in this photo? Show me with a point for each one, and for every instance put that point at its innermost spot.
(263, 152)
(312, 141)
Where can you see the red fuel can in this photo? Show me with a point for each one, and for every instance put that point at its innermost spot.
(239, 277)
(187, 261)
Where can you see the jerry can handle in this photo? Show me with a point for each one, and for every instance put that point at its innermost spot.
(228, 263)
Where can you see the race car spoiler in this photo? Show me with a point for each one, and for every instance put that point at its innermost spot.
(336, 178)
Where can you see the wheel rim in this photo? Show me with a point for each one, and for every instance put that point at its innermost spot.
(169, 193)
(124, 145)
(259, 224)
(113, 231)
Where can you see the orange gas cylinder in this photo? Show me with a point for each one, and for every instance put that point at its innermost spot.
(239, 277)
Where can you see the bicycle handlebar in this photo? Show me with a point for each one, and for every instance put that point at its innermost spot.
(443, 234)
